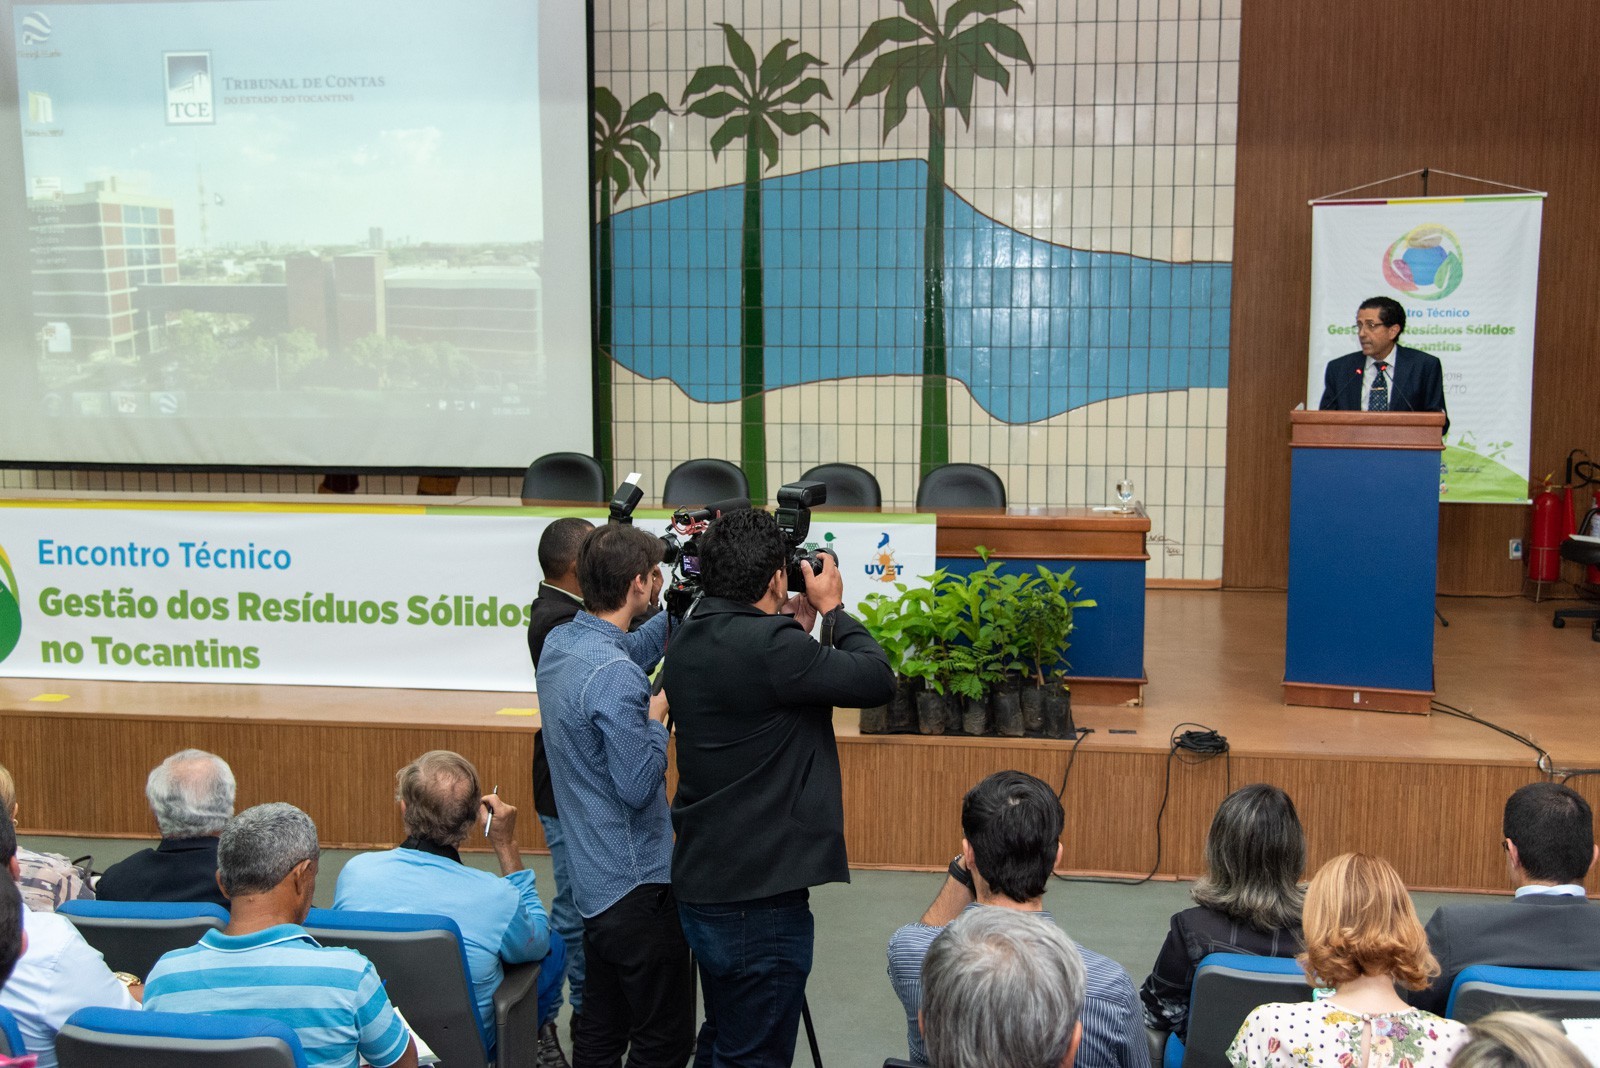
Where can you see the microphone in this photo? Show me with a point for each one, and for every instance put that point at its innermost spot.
(712, 511)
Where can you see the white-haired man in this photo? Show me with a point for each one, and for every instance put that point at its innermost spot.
(191, 796)
(1002, 989)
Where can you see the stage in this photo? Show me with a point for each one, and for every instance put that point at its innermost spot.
(1425, 791)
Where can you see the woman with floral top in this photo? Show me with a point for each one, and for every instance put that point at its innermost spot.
(1362, 937)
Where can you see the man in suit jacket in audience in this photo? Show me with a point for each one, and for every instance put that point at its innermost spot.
(191, 794)
(1012, 825)
(1549, 844)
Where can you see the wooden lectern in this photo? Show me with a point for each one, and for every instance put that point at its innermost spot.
(1363, 559)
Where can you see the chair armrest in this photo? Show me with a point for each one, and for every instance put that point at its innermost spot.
(1158, 1045)
(516, 1017)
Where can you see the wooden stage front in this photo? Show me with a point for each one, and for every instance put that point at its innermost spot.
(1424, 791)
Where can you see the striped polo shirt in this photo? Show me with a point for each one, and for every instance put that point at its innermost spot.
(331, 997)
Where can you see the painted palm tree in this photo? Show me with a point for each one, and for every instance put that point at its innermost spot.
(940, 61)
(757, 104)
(626, 152)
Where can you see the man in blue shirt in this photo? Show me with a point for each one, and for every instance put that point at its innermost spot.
(265, 964)
(1011, 824)
(606, 740)
(502, 920)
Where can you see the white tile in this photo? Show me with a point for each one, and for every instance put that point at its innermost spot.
(1189, 40)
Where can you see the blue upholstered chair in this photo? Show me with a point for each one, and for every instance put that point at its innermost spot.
(11, 1044)
(423, 965)
(132, 935)
(1226, 987)
(94, 1038)
(1484, 988)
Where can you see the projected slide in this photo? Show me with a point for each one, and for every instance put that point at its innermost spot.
(296, 232)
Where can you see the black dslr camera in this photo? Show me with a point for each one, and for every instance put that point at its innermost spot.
(795, 502)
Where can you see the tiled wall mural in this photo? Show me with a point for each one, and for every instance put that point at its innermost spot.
(899, 232)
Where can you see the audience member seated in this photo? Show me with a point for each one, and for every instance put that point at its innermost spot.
(58, 972)
(1362, 938)
(12, 941)
(191, 796)
(1248, 900)
(47, 879)
(1517, 1040)
(1012, 826)
(1548, 838)
(264, 964)
(501, 919)
(1002, 989)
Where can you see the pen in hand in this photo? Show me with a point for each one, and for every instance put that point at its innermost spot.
(490, 821)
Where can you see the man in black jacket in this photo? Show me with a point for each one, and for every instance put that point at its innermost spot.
(191, 796)
(759, 813)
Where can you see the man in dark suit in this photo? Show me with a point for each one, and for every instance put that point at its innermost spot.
(1384, 376)
(1549, 844)
(191, 795)
(759, 812)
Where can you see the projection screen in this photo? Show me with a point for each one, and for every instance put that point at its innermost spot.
(295, 233)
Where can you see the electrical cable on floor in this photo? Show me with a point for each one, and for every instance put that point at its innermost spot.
(1545, 763)
(1205, 743)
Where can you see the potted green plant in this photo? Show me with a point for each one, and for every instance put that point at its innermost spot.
(1044, 623)
(896, 631)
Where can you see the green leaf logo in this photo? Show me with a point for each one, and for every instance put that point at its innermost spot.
(10, 608)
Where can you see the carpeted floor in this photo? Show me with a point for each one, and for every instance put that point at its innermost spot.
(859, 1021)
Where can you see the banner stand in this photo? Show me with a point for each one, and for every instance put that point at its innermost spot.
(1464, 271)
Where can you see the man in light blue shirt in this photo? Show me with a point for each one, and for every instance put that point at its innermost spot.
(502, 920)
(264, 964)
(607, 744)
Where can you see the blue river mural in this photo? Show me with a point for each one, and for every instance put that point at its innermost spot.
(1035, 329)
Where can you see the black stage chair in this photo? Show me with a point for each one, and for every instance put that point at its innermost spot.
(961, 486)
(847, 484)
(704, 481)
(565, 476)
(1584, 551)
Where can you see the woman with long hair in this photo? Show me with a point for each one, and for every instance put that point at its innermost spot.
(1362, 938)
(1248, 901)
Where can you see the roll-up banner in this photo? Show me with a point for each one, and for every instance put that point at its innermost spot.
(404, 597)
(1466, 270)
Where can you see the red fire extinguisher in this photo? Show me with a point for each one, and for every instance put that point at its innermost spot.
(1549, 530)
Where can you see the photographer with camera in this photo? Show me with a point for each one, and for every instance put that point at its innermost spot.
(606, 741)
(758, 812)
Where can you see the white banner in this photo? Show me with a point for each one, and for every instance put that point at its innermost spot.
(337, 595)
(1466, 270)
